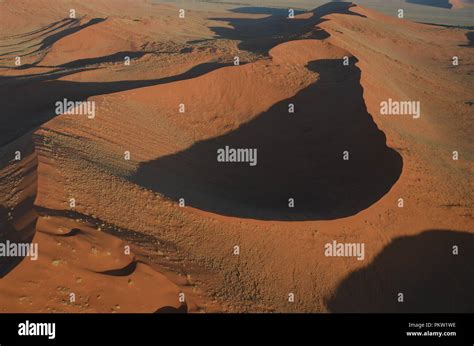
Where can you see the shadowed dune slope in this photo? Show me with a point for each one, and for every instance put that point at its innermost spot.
(422, 267)
(436, 3)
(17, 195)
(261, 34)
(48, 92)
(299, 156)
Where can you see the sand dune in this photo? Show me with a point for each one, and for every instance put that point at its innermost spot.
(322, 181)
(91, 266)
(80, 266)
(121, 200)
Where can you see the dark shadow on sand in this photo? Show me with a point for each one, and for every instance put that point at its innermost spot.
(67, 22)
(20, 116)
(13, 226)
(470, 40)
(48, 41)
(260, 35)
(300, 156)
(172, 310)
(128, 270)
(10, 233)
(46, 28)
(422, 267)
(433, 3)
(112, 58)
(68, 26)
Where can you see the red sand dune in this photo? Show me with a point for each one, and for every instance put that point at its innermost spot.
(190, 249)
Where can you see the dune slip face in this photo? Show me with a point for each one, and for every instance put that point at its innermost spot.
(158, 156)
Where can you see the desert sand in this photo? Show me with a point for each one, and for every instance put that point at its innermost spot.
(233, 244)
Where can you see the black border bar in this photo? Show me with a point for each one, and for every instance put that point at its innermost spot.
(290, 329)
